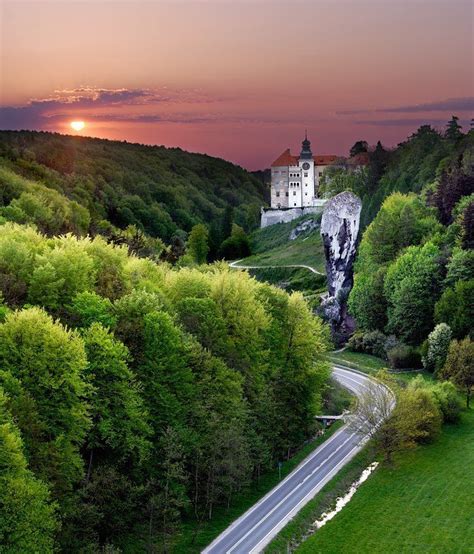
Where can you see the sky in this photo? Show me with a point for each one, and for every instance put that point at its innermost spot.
(237, 79)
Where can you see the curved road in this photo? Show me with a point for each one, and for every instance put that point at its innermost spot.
(235, 266)
(256, 527)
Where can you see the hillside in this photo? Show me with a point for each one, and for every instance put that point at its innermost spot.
(160, 190)
(273, 251)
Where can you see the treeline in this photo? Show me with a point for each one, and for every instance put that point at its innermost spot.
(419, 160)
(161, 191)
(413, 295)
(134, 396)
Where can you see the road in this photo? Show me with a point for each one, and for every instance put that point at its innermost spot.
(255, 529)
(235, 266)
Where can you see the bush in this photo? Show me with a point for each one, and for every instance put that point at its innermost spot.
(372, 342)
(438, 345)
(448, 400)
(404, 357)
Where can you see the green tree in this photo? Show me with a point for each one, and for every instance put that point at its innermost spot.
(456, 308)
(402, 221)
(227, 222)
(28, 521)
(367, 302)
(198, 243)
(459, 366)
(42, 367)
(453, 129)
(438, 346)
(119, 419)
(236, 246)
(411, 287)
(88, 307)
(359, 147)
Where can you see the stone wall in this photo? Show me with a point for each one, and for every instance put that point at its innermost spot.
(271, 216)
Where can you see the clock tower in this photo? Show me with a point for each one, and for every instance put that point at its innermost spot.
(306, 164)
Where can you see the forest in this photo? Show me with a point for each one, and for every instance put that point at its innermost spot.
(413, 294)
(110, 184)
(142, 389)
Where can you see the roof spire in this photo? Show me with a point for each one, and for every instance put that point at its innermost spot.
(306, 153)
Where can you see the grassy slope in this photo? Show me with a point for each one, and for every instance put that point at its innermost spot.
(424, 505)
(271, 246)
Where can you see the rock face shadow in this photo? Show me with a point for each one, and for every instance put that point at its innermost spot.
(339, 231)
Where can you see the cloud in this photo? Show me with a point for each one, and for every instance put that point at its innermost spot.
(407, 122)
(62, 104)
(452, 105)
(449, 105)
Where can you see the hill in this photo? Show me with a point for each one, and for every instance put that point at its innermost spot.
(276, 255)
(160, 190)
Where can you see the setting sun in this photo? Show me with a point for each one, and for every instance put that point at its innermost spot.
(78, 125)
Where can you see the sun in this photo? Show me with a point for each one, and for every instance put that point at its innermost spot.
(77, 125)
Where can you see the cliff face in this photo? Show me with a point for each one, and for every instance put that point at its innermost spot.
(339, 231)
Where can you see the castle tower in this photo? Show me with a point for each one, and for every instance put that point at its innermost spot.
(306, 165)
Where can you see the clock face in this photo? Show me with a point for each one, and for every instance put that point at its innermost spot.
(306, 166)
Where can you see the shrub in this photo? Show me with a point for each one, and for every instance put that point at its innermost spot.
(438, 345)
(372, 342)
(448, 400)
(404, 357)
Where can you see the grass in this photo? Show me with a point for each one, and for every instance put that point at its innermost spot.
(291, 279)
(223, 517)
(371, 364)
(358, 360)
(271, 246)
(296, 530)
(425, 504)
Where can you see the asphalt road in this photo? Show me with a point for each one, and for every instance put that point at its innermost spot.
(256, 528)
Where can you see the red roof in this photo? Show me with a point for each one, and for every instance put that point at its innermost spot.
(325, 160)
(285, 159)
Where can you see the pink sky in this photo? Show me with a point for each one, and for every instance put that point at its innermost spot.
(233, 78)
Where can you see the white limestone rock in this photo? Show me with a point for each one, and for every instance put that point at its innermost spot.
(339, 231)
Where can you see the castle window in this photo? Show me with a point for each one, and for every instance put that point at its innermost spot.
(294, 193)
(277, 194)
(305, 174)
(294, 204)
(286, 194)
(320, 173)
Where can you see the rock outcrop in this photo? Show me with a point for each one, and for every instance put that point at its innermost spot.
(339, 231)
(304, 228)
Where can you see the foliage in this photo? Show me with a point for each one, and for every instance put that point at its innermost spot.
(456, 308)
(404, 357)
(236, 246)
(85, 181)
(173, 389)
(438, 345)
(411, 287)
(42, 365)
(28, 520)
(459, 366)
(198, 244)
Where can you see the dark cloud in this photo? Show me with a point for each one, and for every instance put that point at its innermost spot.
(407, 122)
(451, 105)
(41, 113)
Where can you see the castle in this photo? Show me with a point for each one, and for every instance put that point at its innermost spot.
(295, 180)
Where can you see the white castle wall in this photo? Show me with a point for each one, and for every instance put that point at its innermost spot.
(271, 216)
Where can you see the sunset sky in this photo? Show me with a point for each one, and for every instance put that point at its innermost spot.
(233, 78)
